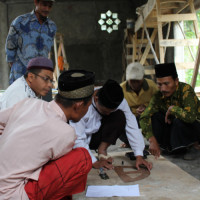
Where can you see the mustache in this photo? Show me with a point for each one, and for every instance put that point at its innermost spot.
(46, 12)
(164, 92)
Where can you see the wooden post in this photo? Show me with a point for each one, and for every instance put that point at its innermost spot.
(56, 58)
(148, 47)
(195, 22)
(160, 34)
(196, 67)
(134, 43)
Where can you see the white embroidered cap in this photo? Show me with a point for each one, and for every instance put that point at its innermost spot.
(134, 71)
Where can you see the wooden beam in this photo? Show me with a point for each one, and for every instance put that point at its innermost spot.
(182, 8)
(185, 66)
(134, 43)
(149, 56)
(56, 71)
(179, 42)
(149, 71)
(146, 52)
(172, 1)
(177, 17)
(195, 23)
(160, 34)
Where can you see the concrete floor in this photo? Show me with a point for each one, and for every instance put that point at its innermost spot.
(166, 181)
(191, 167)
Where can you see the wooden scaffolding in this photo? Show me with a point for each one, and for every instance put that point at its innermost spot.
(146, 43)
(61, 63)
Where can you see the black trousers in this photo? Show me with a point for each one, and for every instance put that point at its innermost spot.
(112, 126)
(176, 135)
(124, 138)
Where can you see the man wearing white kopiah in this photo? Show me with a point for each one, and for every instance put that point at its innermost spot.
(36, 83)
(108, 117)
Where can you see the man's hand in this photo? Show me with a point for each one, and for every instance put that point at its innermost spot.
(154, 147)
(141, 161)
(140, 109)
(2, 126)
(105, 164)
(167, 120)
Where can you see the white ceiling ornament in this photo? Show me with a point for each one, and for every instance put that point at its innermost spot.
(109, 21)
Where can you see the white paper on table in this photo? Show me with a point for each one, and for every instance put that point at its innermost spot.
(113, 190)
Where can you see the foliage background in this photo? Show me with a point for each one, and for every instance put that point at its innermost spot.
(190, 33)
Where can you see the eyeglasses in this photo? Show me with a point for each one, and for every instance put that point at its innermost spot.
(45, 79)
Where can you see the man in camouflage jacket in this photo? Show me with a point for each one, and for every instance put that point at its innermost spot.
(172, 119)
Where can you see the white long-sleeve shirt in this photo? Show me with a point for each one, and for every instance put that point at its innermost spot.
(35, 132)
(91, 123)
(16, 92)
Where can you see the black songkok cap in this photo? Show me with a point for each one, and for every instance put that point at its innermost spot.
(165, 69)
(76, 84)
(111, 94)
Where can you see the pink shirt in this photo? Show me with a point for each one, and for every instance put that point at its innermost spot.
(36, 132)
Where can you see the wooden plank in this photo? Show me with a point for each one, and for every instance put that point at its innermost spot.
(146, 52)
(170, 7)
(149, 56)
(179, 66)
(172, 1)
(173, 7)
(146, 11)
(56, 71)
(149, 71)
(177, 17)
(156, 43)
(153, 14)
(181, 9)
(160, 34)
(150, 24)
(179, 42)
(195, 23)
(134, 47)
(142, 41)
(139, 42)
(185, 65)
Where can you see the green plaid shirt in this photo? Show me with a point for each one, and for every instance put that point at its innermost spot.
(186, 107)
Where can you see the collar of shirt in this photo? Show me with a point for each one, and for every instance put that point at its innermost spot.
(173, 96)
(58, 110)
(28, 89)
(145, 86)
(94, 106)
(33, 17)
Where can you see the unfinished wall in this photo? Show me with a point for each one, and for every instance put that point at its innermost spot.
(86, 45)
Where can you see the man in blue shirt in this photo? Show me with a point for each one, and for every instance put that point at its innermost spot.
(30, 35)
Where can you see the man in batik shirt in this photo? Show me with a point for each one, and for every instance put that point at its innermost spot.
(172, 119)
(30, 35)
